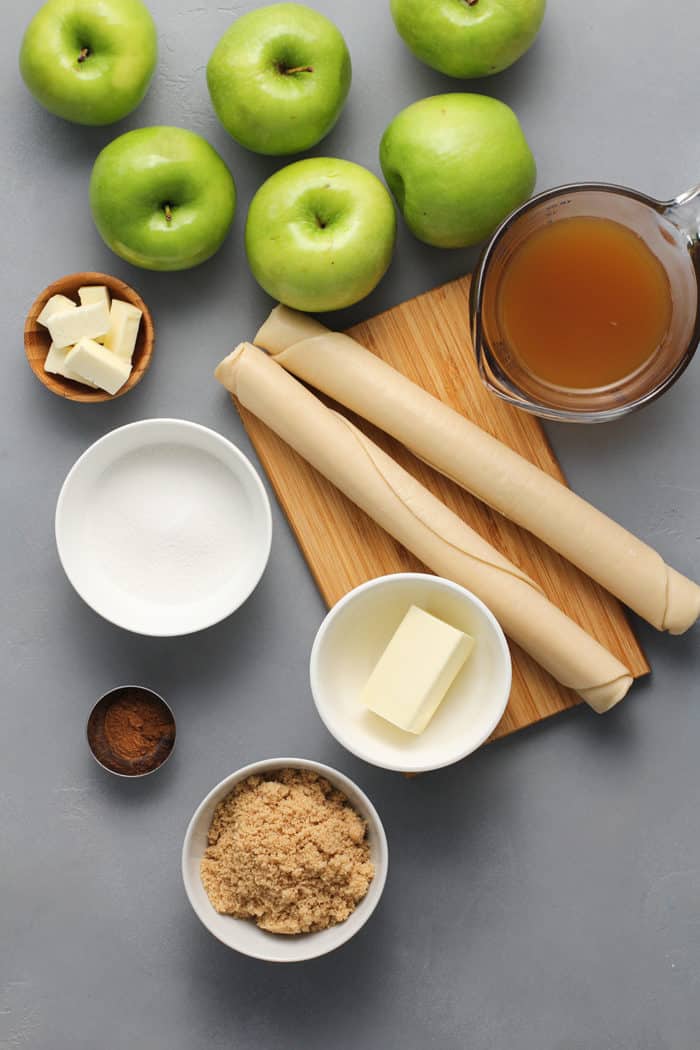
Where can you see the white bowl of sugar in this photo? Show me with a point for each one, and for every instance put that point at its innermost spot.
(163, 527)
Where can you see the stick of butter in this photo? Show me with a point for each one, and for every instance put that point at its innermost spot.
(100, 366)
(124, 321)
(56, 304)
(416, 669)
(68, 327)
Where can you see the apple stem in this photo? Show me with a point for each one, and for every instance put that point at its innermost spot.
(472, 3)
(83, 54)
(297, 69)
(168, 212)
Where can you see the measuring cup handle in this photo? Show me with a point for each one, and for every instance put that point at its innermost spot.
(684, 212)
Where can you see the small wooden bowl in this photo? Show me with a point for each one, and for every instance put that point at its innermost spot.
(37, 339)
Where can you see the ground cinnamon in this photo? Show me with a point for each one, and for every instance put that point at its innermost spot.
(134, 727)
(131, 731)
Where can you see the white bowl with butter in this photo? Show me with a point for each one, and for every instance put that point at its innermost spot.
(163, 527)
(354, 636)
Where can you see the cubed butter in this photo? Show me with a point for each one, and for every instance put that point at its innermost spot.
(416, 669)
(56, 304)
(94, 293)
(124, 321)
(56, 363)
(68, 327)
(100, 366)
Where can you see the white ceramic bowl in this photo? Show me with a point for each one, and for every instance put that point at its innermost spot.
(242, 934)
(349, 643)
(132, 537)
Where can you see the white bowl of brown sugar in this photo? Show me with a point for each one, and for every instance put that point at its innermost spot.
(285, 860)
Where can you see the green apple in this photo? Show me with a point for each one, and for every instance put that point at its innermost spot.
(457, 165)
(162, 198)
(468, 38)
(89, 61)
(320, 234)
(279, 77)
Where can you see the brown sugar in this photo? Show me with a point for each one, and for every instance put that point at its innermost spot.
(288, 850)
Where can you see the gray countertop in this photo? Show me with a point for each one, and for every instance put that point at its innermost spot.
(542, 895)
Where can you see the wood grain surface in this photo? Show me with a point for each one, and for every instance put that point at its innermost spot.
(427, 339)
(37, 339)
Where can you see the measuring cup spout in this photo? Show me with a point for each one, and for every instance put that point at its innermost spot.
(684, 212)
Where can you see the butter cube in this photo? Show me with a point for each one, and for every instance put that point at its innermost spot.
(56, 363)
(56, 304)
(68, 327)
(416, 669)
(124, 321)
(100, 366)
(93, 293)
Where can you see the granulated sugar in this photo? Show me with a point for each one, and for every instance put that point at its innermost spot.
(162, 523)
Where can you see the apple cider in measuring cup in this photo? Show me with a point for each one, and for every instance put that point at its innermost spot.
(583, 303)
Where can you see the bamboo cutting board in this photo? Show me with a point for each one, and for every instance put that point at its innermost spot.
(427, 339)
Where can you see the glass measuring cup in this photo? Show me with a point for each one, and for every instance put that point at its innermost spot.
(670, 229)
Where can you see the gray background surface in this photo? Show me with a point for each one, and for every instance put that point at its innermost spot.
(544, 894)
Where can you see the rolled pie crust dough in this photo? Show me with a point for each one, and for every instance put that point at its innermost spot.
(424, 525)
(353, 376)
